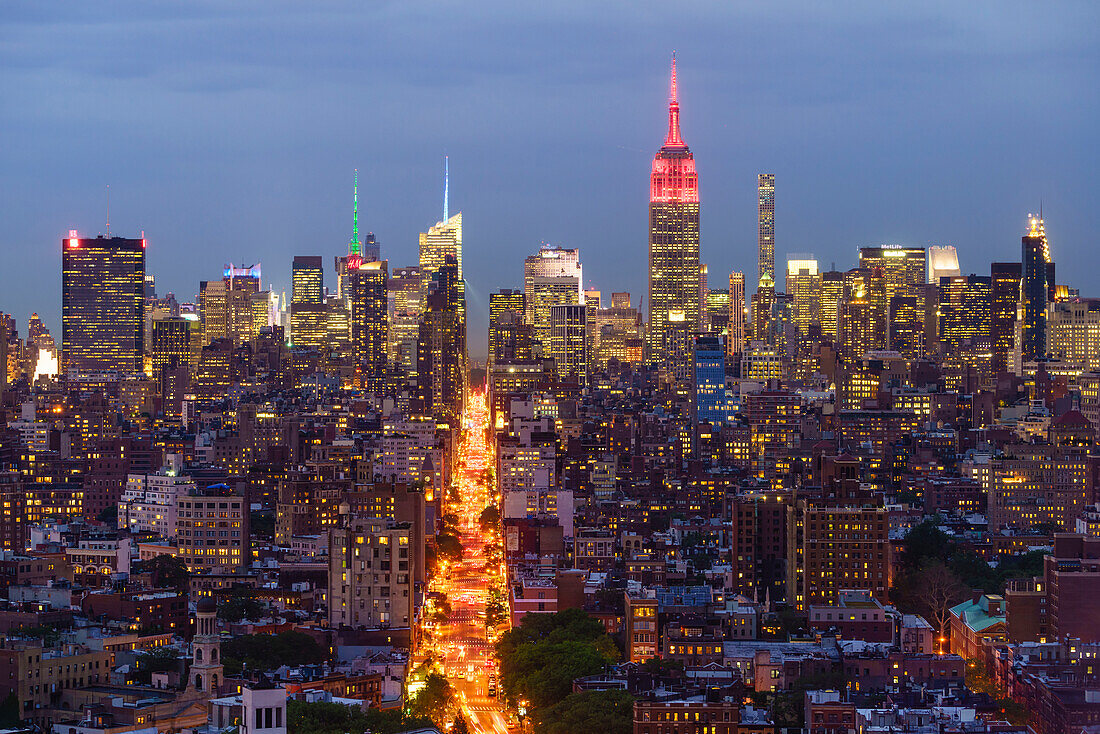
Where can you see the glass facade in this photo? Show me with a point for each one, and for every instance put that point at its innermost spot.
(103, 304)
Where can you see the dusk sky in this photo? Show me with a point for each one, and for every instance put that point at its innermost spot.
(228, 131)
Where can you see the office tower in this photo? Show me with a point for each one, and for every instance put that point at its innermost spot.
(226, 306)
(214, 310)
(308, 313)
(443, 240)
(5, 329)
(367, 283)
(242, 288)
(704, 320)
(673, 241)
(261, 311)
(711, 402)
(441, 346)
(592, 300)
(735, 332)
(856, 324)
(965, 313)
(765, 192)
(307, 279)
(903, 268)
(617, 334)
(943, 262)
(1005, 297)
(41, 350)
(509, 335)
(905, 326)
(832, 295)
(551, 276)
(404, 312)
(1034, 291)
(338, 321)
(762, 305)
(172, 346)
(102, 304)
(1073, 333)
(804, 288)
(569, 341)
(870, 288)
(718, 310)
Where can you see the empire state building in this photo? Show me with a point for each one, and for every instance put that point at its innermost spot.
(673, 245)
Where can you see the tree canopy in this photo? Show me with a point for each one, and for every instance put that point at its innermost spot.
(169, 572)
(334, 718)
(541, 657)
(241, 605)
(267, 652)
(607, 712)
(434, 701)
(489, 518)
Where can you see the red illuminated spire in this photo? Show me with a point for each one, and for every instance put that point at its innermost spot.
(673, 110)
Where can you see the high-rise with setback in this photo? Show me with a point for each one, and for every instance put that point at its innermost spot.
(102, 304)
(673, 240)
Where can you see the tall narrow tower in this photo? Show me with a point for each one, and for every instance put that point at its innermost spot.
(1034, 290)
(765, 189)
(673, 239)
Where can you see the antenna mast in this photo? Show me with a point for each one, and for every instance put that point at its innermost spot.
(354, 248)
(108, 210)
(446, 188)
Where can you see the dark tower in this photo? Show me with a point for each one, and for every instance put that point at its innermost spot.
(1034, 291)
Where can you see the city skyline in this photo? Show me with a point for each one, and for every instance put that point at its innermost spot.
(943, 183)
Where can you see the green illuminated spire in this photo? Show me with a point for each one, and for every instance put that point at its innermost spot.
(354, 247)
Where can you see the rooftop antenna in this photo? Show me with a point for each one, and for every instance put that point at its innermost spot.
(354, 248)
(108, 210)
(446, 188)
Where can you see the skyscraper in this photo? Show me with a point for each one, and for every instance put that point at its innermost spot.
(441, 347)
(1034, 291)
(1005, 297)
(804, 288)
(569, 341)
(832, 295)
(551, 276)
(904, 268)
(308, 313)
(965, 320)
(673, 238)
(404, 311)
(442, 240)
(509, 335)
(943, 262)
(712, 405)
(307, 279)
(102, 304)
(735, 332)
(765, 192)
(367, 282)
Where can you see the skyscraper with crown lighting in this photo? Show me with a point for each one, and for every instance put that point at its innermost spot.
(673, 239)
